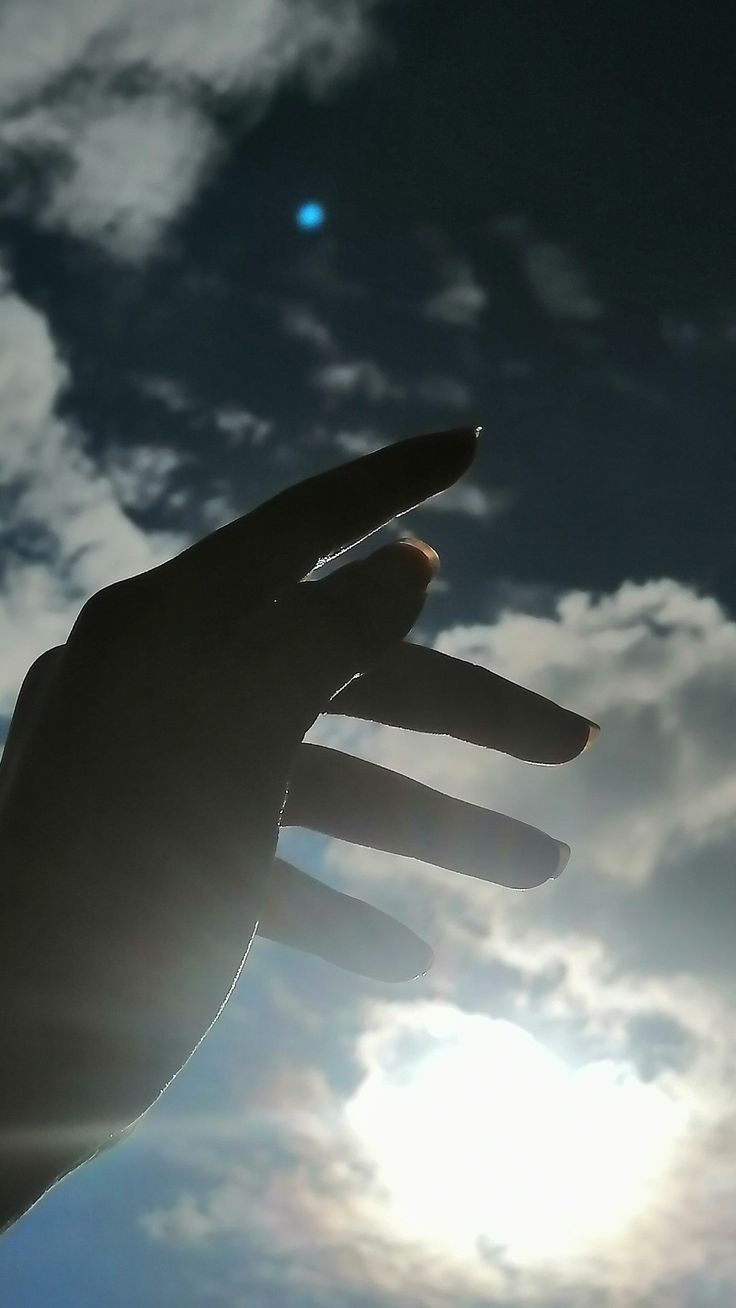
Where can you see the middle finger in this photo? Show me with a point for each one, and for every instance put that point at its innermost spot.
(423, 690)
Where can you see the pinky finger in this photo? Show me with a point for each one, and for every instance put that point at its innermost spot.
(305, 914)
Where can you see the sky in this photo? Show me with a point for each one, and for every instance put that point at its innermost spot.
(524, 221)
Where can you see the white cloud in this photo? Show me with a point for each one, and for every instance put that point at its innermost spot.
(471, 500)
(57, 494)
(240, 425)
(117, 169)
(119, 166)
(342, 378)
(311, 1178)
(357, 377)
(462, 300)
(556, 276)
(140, 475)
(237, 424)
(217, 510)
(559, 282)
(173, 395)
(357, 443)
(302, 322)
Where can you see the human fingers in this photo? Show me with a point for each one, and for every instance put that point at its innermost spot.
(306, 914)
(421, 689)
(307, 524)
(325, 632)
(353, 800)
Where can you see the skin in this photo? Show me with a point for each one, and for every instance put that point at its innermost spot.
(153, 757)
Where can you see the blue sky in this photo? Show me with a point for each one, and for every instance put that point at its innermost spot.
(526, 225)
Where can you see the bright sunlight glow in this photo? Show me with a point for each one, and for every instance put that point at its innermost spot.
(479, 1134)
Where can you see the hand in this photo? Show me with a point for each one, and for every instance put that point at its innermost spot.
(146, 774)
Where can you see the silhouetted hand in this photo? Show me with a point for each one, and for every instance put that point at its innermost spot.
(145, 777)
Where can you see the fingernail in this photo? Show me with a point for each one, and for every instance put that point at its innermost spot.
(403, 959)
(563, 859)
(422, 959)
(594, 732)
(432, 557)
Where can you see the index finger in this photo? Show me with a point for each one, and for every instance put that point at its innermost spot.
(307, 524)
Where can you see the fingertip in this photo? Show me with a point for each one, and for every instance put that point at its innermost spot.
(429, 555)
(466, 443)
(456, 447)
(427, 963)
(594, 732)
(414, 960)
(584, 735)
(563, 858)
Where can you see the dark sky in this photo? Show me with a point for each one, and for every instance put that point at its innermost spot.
(529, 225)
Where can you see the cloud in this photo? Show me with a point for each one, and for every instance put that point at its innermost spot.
(140, 475)
(357, 443)
(360, 377)
(470, 500)
(462, 300)
(111, 104)
(65, 530)
(217, 510)
(237, 424)
(240, 425)
(116, 170)
(302, 322)
(560, 283)
(173, 395)
(294, 1176)
(555, 275)
(342, 379)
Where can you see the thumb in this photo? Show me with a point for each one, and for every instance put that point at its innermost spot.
(348, 620)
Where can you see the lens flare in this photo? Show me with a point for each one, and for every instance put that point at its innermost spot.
(310, 215)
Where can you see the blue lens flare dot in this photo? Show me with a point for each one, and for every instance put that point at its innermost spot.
(310, 215)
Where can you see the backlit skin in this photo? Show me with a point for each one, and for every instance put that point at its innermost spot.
(152, 758)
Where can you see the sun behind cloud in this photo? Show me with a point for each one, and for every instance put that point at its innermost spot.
(481, 1136)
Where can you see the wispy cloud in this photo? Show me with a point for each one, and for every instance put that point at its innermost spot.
(172, 394)
(55, 493)
(471, 500)
(560, 283)
(461, 300)
(302, 322)
(362, 377)
(140, 475)
(357, 443)
(112, 104)
(240, 425)
(556, 276)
